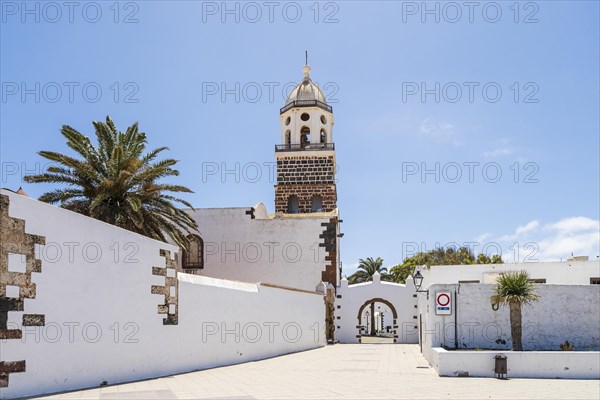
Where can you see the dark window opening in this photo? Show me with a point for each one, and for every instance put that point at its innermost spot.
(293, 206)
(193, 257)
(317, 204)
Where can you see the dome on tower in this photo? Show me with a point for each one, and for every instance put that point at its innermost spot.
(306, 90)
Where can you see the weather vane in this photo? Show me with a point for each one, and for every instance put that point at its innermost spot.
(306, 57)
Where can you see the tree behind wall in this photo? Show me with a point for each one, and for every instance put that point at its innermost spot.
(117, 182)
(440, 256)
(367, 268)
(514, 289)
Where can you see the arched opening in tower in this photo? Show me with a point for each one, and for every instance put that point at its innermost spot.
(305, 137)
(293, 204)
(317, 204)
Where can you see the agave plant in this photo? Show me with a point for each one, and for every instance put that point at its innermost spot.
(514, 289)
(118, 182)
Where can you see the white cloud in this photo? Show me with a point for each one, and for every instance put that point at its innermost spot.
(552, 241)
(574, 224)
(502, 151)
(521, 231)
(442, 131)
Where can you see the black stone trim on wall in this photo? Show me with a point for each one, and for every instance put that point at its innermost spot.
(165, 290)
(14, 240)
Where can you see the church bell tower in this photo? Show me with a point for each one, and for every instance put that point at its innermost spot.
(306, 155)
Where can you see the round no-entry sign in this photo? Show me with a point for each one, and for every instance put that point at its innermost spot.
(443, 299)
(443, 303)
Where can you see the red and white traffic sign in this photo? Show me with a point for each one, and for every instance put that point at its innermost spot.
(443, 303)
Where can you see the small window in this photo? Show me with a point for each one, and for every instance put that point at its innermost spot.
(537, 280)
(287, 121)
(323, 120)
(323, 137)
(293, 206)
(468, 281)
(305, 117)
(193, 257)
(594, 281)
(316, 204)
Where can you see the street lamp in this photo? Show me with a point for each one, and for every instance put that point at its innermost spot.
(418, 281)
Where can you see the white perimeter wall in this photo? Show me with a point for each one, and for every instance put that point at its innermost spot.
(528, 364)
(351, 298)
(564, 312)
(562, 273)
(283, 251)
(101, 320)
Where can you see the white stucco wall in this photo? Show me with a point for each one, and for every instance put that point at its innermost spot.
(564, 312)
(102, 321)
(284, 251)
(530, 364)
(350, 298)
(562, 272)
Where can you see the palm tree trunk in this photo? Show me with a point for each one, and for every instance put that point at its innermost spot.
(373, 319)
(516, 330)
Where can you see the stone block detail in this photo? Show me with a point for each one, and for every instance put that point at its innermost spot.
(305, 193)
(14, 240)
(34, 320)
(170, 307)
(293, 170)
(329, 242)
(10, 367)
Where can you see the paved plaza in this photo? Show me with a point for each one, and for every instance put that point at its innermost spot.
(350, 371)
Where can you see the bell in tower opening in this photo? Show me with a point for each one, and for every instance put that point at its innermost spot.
(306, 155)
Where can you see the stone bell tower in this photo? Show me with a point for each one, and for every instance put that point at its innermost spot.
(306, 155)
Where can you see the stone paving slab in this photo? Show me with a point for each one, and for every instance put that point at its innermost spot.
(343, 371)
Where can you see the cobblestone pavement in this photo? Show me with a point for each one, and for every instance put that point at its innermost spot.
(346, 371)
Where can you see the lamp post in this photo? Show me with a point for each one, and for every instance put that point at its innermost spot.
(418, 281)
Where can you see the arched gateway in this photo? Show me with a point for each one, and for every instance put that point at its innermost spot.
(376, 308)
(372, 302)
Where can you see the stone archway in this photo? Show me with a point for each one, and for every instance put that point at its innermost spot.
(387, 303)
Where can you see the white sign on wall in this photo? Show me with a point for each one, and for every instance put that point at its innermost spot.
(443, 303)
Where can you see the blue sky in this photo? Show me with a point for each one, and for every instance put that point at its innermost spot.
(161, 63)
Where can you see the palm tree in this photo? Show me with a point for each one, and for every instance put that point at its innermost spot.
(514, 289)
(116, 182)
(366, 270)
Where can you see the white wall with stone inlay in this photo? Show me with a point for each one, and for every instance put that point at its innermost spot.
(102, 322)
